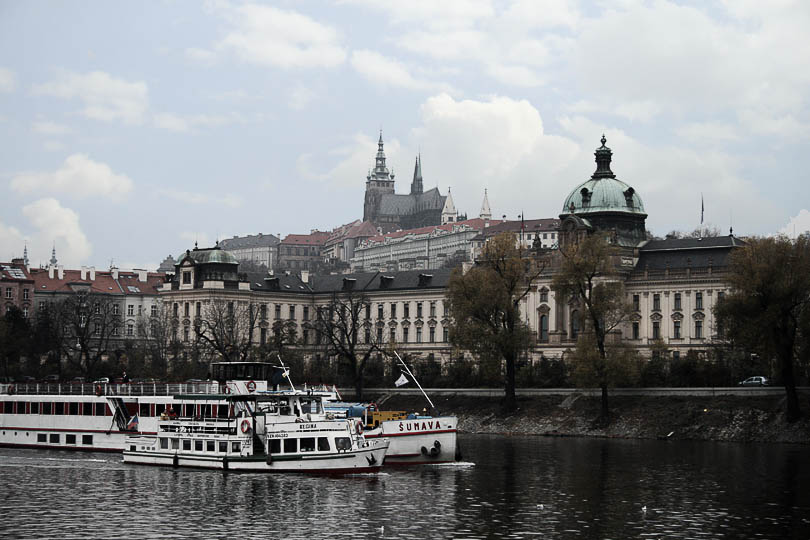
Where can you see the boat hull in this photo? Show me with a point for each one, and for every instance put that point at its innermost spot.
(418, 441)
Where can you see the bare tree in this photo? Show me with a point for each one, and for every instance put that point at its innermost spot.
(345, 329)
(159, 340)
(227, 327)
(92, 326)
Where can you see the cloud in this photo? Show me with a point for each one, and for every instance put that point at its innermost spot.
(79, 176)
(105, 98)
(275, 37)
(191, 123)
(50, 128)
(385, 71)
(798, 224)
(8, 80)
(48, 223)
(203, 56)
(187, 197)
(355, 157)
(300, 97)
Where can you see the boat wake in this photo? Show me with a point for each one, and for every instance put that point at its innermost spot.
(454, 465)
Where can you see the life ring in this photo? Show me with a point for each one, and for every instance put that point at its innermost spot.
(373, 406)
(359, 427)
(245, 426)
(10, 389)
(99, 390)
(251, 386)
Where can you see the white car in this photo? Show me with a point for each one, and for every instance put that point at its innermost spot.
(102, 380)
(755, 381)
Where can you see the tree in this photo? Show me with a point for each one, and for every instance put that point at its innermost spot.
(345, 329)
(768, 310)
(15, 332)
(91, 325)
(485, 306)
(159, 341)
(227, 328)
(587, 275)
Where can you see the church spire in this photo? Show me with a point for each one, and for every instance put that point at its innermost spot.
(449, 213)
(25, 255)
(485, 213)
(416, 185)
(53, 255)
(379, 167)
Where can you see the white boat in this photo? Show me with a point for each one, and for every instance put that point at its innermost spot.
(284, 431)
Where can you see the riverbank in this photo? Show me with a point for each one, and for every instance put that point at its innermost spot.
(718, 418)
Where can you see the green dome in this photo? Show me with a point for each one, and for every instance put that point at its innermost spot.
(212, 255)
(603, 192)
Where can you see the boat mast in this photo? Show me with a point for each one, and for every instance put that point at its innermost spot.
(404, 365)
(286, 372)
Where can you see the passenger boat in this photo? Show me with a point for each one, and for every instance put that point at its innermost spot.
(281, 431)
(99, 417)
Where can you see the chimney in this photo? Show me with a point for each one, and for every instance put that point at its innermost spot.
(305, 276)
(92, 273)
(60, 271)
(83, 273)
(50, 271)
(114, 272)
(141, 275)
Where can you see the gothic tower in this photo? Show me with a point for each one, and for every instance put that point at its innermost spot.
(416, 185)
(378, 182)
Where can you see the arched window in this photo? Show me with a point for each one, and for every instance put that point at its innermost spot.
(543, 327)
(574, 324)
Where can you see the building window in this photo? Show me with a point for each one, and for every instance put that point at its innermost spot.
(186, 278)
(263, 311)
(153, 310)
(676, 355)
(699, 300)
(379, 335)
(419, 310)
(445, 334)
(186, 309)
(636, 303)
(8, 292)
(130, 329)
(306, 313)
(405, 334)
(677, 301)
(406, 310)
(393, 310)
(656, 302)
(574, 324)
(263, 336)
(544, 295)
(292, 311)
(392, 337)
(635, 330)
(116, 309)
(379, 311)
(445, 309)
(699, 329)
(115, 331)
(185, 333)
(543, 327)
(419, 334)
(433, 309)
(432, 336)
(25, 311)
(25, 294)
(676, 330)
(367, 335)
(656, 330)
(278, 311)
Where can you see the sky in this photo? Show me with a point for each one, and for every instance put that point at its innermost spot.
(130, 130)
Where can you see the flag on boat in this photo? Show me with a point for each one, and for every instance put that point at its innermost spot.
(402, 380)
(133, 423)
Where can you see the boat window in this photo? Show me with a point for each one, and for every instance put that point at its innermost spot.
(59, 407)
(323, 444)
(73, 408)
(46, 407)
(198, 446)
(164, 443)
(70, 439)
(87, 439)
(35, 407)
(308, 444)
(186, 444)
(160, 408)
(87, 409)
(236, 447)
(54, 438)
(101, 409)
(144, 410)
(41, 437)
(175, 444)
(290, 446)
(223, 447)
(343, 443)
(275, 446)
(210, 446)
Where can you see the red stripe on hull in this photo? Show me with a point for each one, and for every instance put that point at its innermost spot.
(406, 434)
(55, 447)
(71, 430)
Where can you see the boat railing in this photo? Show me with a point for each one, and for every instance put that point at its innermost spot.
(110, 389)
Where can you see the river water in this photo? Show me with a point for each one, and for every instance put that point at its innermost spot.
(506, 487)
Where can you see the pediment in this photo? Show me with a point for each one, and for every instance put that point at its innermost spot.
(698, 316)
(544, 309)
(656, 316)
(677, 316)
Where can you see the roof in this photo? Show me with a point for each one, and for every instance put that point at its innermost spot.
(250, 241)
(528, 226)
(392, 204)
(315, 238)
(14, 272)
(673, 253)
(355, 229)
(366, 281)
(208, 256)
(127, 282)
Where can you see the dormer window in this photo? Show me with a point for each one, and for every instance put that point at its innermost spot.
(586, 197)
(187, 278)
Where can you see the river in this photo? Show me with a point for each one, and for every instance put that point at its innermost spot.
(506, 487)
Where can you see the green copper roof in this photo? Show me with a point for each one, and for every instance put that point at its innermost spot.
(211, 255)
(603, 192)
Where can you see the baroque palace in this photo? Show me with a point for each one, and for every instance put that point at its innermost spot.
(672, 284)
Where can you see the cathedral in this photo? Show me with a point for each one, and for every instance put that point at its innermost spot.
(390, 211)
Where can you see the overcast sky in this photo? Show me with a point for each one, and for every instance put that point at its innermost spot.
(130, 129)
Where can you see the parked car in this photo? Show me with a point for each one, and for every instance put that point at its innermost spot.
(51, 379)
(102, 380)
(755, 381)
(77, 380)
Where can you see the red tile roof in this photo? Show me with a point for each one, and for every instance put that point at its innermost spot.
(103, 282)
(317, 238)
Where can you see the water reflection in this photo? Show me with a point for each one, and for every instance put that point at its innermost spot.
(519, 487)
